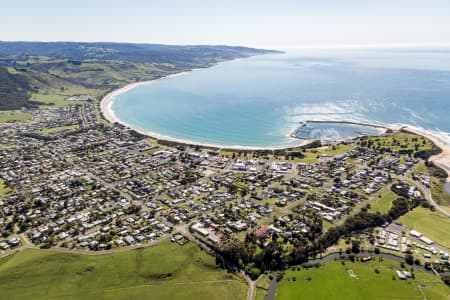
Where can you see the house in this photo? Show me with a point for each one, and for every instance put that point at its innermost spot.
(415, 234)
(400, 275)
(426, 240)
(14, 241)
(262, 231)
(129, 239)
(62, 235)
(198, 227)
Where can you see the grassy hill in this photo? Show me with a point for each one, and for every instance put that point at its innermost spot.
(164, 271)
(51, 72)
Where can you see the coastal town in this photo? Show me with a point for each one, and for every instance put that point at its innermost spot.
(235, 150)
(77, 183)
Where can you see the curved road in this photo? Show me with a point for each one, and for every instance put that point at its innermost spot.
(26, 244)
(251, 285)
(429, 198)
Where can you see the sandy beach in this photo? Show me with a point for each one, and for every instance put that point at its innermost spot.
(108, 114)
(441, 160)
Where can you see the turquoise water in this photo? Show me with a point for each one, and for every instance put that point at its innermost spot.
(258, 101)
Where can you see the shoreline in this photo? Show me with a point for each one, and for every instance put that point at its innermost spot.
(108, 115)
(442, 160)
(106, 100)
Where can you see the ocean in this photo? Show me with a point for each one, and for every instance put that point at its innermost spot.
(259, 101)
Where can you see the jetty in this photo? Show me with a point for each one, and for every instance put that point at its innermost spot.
(349, 123)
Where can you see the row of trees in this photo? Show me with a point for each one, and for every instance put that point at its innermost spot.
(243, 255)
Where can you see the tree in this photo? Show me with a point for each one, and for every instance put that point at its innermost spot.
(356, 246)
(409, 259)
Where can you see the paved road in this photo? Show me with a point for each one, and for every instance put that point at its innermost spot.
(272, 291)
(428, 195)
(251, 285)
(28, 245)
(429, 198)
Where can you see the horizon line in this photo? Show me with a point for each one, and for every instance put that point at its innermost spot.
(274, 47)
(376, 45)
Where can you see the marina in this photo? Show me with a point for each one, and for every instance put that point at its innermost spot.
(335, 130)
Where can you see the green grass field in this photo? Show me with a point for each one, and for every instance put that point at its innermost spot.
(438, 193)
(262, 285)
(359, 281)
(164, 271)
(402, 141)
(383, 204)
(9, 116)
(310, 155)
(421, 168)
(431, 224)
(54, 99)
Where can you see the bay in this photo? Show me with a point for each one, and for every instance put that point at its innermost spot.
(259, 101)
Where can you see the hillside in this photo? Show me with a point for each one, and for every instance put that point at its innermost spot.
(51, 72)
(14, 90)
(164, 271)
(150, 53)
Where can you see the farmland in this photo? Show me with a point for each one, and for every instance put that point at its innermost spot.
(164, 271)
(358, 280)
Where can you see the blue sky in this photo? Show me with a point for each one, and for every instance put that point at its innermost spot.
(275, 23)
